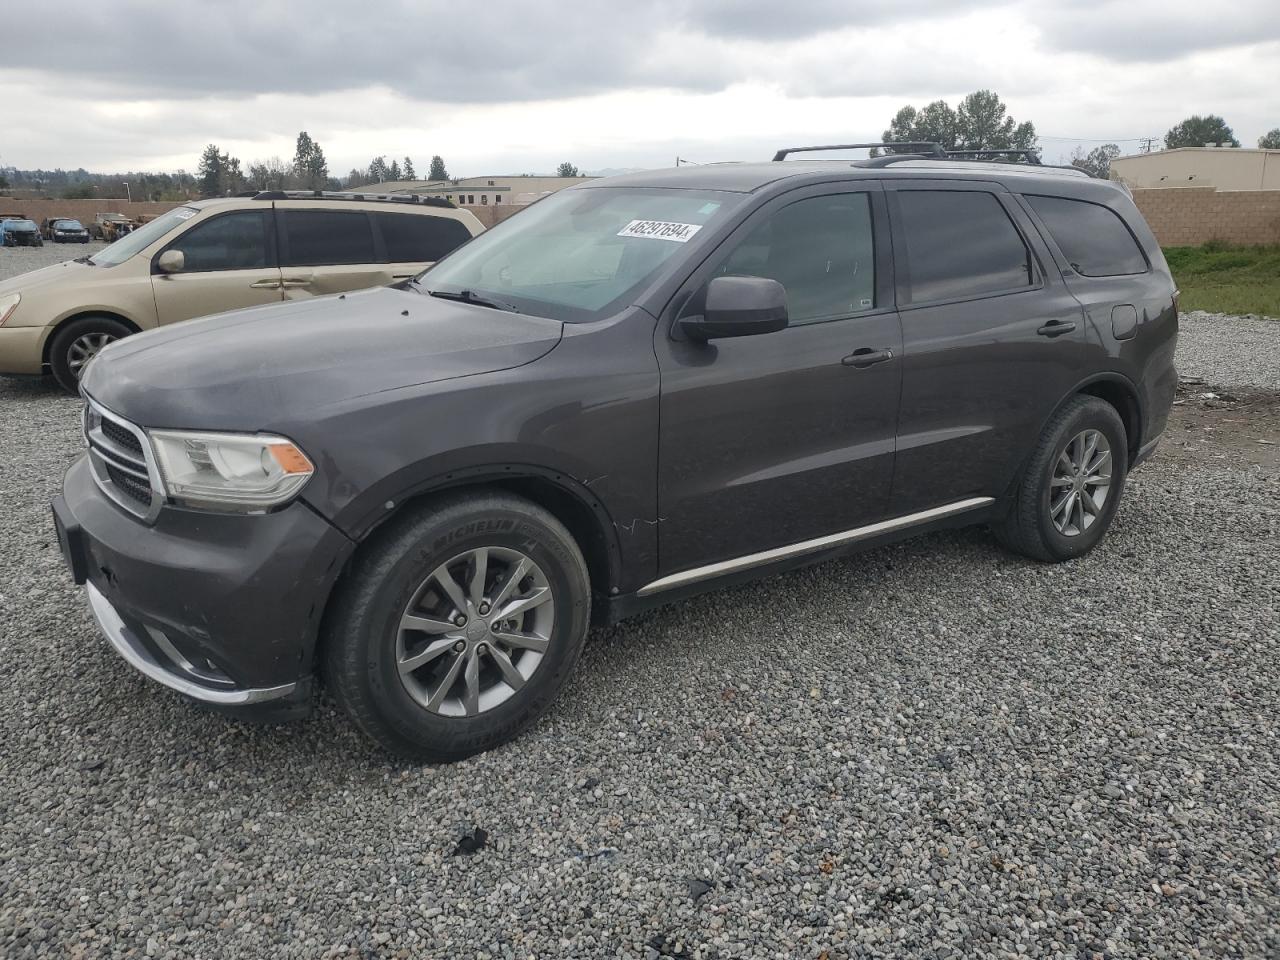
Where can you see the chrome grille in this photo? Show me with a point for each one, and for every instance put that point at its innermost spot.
(121, 462)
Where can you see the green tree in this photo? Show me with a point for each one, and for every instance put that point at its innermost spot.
(566, 169)
(981, 122)
(219, 173)
(309, 165)
(212, 171)
(78, 191)
(379, 172)
(356, 178)
(437, 171)
(408, 170)
(1268, 141)
(1097, 162)
(4, 182)
(1196, 131)
(393, 171)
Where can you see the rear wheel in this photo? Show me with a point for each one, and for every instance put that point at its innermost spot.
(75, 344)
(1072, 484)
(458, 626)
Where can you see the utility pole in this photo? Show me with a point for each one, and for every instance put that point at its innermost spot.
(1148, 143)
(128, 191)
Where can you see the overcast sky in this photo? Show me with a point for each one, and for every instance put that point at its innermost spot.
(511, 87)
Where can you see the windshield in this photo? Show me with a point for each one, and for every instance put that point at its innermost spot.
(143, 237)
(20, 224)
(580, 254)
(67, 225)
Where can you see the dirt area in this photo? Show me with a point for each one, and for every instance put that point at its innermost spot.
(1240, 428)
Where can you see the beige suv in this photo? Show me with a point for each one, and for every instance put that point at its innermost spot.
(217, 255)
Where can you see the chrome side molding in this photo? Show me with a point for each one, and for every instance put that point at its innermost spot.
(711, 570)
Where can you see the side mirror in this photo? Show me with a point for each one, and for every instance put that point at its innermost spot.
(739, 307)
(171, 261)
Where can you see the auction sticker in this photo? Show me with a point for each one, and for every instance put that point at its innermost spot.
(660, 230)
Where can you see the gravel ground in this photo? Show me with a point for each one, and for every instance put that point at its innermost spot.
(1242, 352)
(930, 750)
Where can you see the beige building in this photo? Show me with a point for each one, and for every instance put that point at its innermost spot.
(479, 191)
(1223, 168)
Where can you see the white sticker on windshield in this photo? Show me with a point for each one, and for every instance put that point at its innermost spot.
(660, 230)
(184, 213)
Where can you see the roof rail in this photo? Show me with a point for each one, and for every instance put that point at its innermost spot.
(1028, 155)
(933, 150)
(353, 196)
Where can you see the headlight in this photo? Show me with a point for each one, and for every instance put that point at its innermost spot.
(8, 305)
(230, 471)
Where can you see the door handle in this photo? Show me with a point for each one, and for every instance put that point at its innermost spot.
(288, 282)
(866, 356)
(265, 285)
(1057, 328)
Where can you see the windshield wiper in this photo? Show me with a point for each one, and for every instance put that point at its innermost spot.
(85, 259)
(467, 296)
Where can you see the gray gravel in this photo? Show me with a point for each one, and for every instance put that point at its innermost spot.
(931, 750)
(1230, 351)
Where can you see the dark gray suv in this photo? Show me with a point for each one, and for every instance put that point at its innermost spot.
(637, 389)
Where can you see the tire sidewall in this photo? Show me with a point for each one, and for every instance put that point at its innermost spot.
(438, 543)
(1092, 416)
(59, 362)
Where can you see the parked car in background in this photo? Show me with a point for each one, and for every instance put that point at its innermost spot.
(217, 255)
(111, 226)
(64, 230)
(20, 232)
(637, 389)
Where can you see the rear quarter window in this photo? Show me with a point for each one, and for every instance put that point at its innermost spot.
(1093, 238)
(417, 238)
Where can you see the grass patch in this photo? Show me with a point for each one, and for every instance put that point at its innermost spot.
(1224, 279)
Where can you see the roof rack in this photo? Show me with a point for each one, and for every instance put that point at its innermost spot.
(353, 196)
(1028, 155)
(927, 148)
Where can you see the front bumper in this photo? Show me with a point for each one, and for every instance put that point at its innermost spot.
(21, 349)
(222, 608)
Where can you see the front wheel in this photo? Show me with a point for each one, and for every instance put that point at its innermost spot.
(75, 344)
(1072, 484)
(457, 625)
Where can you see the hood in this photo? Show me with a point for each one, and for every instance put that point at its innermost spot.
(251, 368)
(68, 271)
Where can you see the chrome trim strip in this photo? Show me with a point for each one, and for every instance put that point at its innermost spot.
(142, 660)
(698, 574)
(102, 447)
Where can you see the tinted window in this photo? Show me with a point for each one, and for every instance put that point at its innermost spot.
(820, 250)
(960, 244)
(1094, 240)
(316, 238)
(411, 238)
(236, 241)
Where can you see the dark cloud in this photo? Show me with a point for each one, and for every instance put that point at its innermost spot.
(502, 50)
(1148, 31)
(513, 50)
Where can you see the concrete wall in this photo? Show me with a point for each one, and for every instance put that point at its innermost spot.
(1235, 168)
(82, 210)
(1190, 216)
(495, 214)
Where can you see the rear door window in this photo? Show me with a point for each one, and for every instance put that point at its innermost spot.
(961, 244)
(1094, 239)
(233, 241)
(416, 238)
(820, 249)
(317, 238)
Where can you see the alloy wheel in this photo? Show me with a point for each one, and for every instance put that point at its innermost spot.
(475, 631)
(1081, 483)
(84, 348)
